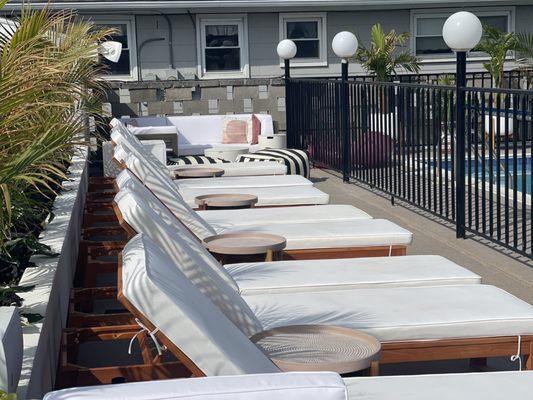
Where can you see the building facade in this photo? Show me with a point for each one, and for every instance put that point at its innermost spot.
(208, 56)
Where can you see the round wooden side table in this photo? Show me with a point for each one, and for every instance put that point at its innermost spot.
(232, 246)
(320, 348)
(198, 173)
(217, 201)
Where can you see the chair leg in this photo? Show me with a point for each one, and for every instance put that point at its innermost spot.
(374, 368)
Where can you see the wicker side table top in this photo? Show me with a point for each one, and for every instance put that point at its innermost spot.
(226, 200)
(245, 243)
(198, 172)
(318, 348)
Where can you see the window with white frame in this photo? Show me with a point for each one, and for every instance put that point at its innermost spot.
(308, 32)
(223, 47)
(427, 30)
(126, 67)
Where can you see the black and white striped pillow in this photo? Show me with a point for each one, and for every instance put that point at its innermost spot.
(194, 160)
(297, 161)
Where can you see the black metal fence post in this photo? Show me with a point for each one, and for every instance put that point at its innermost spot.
(345, 118)
(291, 140)
(460, 154)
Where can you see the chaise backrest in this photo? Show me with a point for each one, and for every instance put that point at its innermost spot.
(189, 257)
(161, 294)
(167, 192)
(286, 386)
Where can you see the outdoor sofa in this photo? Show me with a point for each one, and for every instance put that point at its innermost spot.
(209, 331)
(119, 131)
(196, 133)
(316, 386)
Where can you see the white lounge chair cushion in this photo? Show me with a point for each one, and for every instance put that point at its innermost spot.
(242, 168)
(188, 319)
(346, 274)
(338, 234)
(471, 386)
(286, 386)
(244, 182)
(226, 219)
(290, 195)
(402, 313)
(317, 386)
(196, 264)
(144, 213)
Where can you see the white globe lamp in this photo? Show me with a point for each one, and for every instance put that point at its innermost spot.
(462, 31)
(286, 49)
(344, 44)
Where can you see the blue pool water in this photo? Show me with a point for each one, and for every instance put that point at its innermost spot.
(505, 169)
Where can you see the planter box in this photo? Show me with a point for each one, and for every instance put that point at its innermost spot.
(52, 277)
(10, 348)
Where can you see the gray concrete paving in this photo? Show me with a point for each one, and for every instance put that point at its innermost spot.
(497, 266)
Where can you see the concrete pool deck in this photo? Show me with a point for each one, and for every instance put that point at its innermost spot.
(495, 264)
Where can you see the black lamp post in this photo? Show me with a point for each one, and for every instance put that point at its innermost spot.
(462, 31)
(286, 50)
(344, 46)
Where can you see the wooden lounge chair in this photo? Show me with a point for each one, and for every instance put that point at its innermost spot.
(208, 331)
(318, 386)
(334, 239)
(137, 215)
(282, 195)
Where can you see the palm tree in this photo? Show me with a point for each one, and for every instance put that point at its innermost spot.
(48, 82)
(497, 45)
(381, 59)
(524, 55)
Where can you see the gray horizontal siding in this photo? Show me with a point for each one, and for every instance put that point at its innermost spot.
(263, 35)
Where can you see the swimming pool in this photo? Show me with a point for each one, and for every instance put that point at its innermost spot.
(506, 170)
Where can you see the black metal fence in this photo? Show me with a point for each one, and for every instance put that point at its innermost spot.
(401, 139)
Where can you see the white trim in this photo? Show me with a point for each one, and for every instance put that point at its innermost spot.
(241, 20)
(322, 32)
(129, 21)
(509, 12)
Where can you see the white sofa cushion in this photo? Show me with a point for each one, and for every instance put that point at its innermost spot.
(290, 195)
(402, 313)
(346, 274)
(186, 317)
(338, 234)
(286, 386)
(188, 256)
(227, 219)
(198, 149)
(276, 181)
(153, 130)
(513, 385)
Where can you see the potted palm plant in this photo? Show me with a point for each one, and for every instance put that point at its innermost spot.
(382, 60)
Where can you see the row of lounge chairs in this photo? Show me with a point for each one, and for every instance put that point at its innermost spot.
(419, 307)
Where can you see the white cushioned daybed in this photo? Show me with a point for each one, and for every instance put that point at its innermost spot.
(197, 133)
(119, 132)
(317, 386)
(210, 323)
(336, 237)
(287, 276)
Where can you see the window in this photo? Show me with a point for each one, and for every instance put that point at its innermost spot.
(427, 30)
(224, 51)
(308, 32)
(126, 67)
